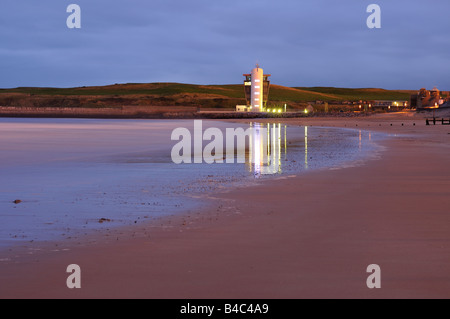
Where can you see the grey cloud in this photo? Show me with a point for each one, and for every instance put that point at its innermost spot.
(302, 43)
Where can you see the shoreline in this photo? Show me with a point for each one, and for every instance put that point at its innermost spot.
(110, 228)
(249, 252)
(224, 115)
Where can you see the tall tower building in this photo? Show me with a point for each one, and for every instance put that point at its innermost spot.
(256, 87)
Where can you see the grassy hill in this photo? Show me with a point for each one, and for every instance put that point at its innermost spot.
(362, 94)
(178, 94)
(161, 89)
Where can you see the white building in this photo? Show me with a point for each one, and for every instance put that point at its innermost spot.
(256, 85)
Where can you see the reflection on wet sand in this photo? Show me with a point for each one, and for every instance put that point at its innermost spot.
(360, 140)
(267, 152)
(306, 147)
(267, 144)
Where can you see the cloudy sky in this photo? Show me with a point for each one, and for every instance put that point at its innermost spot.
(300, 42)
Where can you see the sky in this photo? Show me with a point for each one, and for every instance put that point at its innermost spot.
(300, 42)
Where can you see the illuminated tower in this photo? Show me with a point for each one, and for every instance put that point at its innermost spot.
(256, 87)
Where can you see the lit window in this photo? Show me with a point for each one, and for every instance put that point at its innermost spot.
(257, 87)
(256, 99)
(257, 80)
(257, 93)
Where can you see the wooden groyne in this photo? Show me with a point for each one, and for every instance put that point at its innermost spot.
(437, 121)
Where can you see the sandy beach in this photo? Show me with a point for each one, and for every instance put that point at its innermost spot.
(311, 238)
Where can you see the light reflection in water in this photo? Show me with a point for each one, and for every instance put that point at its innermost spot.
(360, 140)
(306, 147)
(268, 142)
(285, 143)
(266, 148)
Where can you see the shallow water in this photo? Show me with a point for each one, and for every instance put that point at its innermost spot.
(69, 173)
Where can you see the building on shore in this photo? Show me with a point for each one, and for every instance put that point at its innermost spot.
(256, 87)
(389, 105)
(429, 100)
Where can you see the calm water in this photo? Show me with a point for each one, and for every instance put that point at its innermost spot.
(69, 173)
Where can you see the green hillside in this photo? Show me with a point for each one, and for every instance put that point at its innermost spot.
(362, 94)
(161, 89)
(277, 93)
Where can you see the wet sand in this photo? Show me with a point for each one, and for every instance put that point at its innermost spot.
(310, 236)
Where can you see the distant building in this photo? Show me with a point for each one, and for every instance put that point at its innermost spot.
(242, 108)
(256, 87)
(389, 105)
(425, 99)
